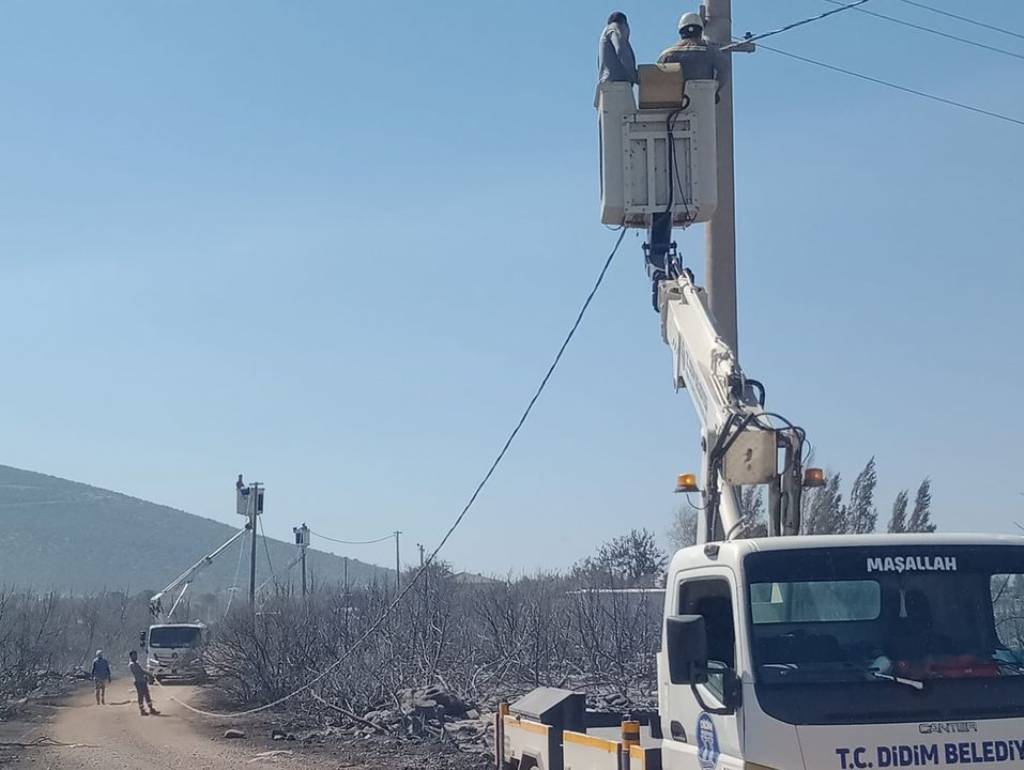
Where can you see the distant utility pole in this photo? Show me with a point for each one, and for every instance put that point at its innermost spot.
(720, 235)
(256, 503)
(249, 503)
(302, 541)
(426, 578)
(398, 564)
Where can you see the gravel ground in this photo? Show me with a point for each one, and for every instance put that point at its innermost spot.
(83, 736)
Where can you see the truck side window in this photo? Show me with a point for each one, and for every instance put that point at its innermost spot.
(712, 598)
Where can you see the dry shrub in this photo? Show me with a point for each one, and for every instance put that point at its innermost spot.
(480, 641)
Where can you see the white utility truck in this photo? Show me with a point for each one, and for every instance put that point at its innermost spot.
(175, 650)
(784, 652)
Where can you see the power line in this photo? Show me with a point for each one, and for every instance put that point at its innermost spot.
(266, 549)
(964, 19)
(273, 578)
(458, 519)
(898, 87)
(931, 31)
(354, 542)
(238, 571)
(751, 38)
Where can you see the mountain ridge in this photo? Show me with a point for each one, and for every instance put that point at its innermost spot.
(64, 535)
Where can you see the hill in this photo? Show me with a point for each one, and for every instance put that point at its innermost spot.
(59, 534)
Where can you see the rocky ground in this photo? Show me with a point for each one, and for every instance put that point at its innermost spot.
(426, 727)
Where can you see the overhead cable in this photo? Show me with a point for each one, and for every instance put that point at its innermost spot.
(929, 30)
(266, 548)
(965, 19)
(354, 542)
(749, 38)
(898, 87)
(238, 571)
(386, 613)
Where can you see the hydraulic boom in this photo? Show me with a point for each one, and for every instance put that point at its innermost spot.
(184, 580)
(739, 442)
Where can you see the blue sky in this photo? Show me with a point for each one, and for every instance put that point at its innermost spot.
(334, 246)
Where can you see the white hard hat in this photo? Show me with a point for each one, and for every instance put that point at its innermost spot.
(99, 653)
(691, 20)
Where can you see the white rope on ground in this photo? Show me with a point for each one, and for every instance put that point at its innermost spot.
(451, 530)
(44, 741)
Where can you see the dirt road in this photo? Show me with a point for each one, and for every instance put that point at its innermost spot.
(115, 737)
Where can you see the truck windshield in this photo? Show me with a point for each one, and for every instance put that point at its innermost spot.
(174, 636)
(939, 630)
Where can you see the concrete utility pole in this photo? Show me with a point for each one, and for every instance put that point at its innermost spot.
(255, 509)
(420, 546)
(720, 264)
(398, 564)
(302, 541)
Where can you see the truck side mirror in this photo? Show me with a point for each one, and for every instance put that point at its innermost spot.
(142, 638)
(687, 646)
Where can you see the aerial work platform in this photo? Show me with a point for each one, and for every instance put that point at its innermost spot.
(660, 156)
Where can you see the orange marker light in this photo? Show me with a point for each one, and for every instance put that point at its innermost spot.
(814, 477)
(686, 482)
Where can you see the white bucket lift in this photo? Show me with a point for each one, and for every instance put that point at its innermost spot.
(636, 166)
(249, 499)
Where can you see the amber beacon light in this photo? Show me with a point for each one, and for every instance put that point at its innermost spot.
(686, 482)
(814, 477)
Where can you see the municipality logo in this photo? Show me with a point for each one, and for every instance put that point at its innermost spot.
(707, 743)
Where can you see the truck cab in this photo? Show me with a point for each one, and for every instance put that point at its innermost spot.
(850, 652)
(175, 651)
(846, 652)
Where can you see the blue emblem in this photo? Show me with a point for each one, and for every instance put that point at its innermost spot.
(707, 743)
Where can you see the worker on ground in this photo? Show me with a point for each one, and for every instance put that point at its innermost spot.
(142, 678)
(700, 61)
(616, 62)
(100, 676)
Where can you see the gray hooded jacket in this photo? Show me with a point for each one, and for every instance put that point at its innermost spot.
(615, 59)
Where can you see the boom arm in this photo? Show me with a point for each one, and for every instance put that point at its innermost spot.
(740, 445)
(184, 580)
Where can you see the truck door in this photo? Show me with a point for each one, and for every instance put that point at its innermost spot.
(696, 738)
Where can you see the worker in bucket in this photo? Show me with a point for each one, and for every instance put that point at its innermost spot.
(141, 677)
(699, 60)
(100, 676)
(616, 62)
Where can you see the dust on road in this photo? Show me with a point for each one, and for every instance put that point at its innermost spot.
(116, 737)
